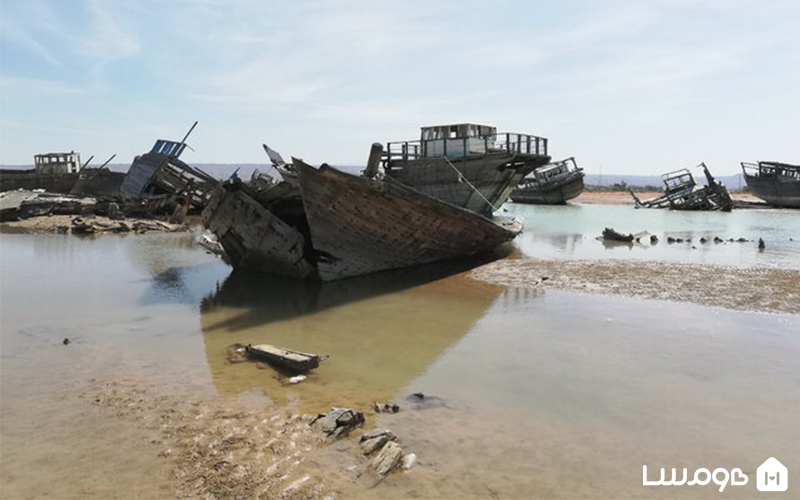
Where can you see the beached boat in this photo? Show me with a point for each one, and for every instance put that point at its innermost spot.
(554, 184)
(361, 225)
(160, 172)
(681, 192)
(344, 225)
(776, 183)
(467, 165)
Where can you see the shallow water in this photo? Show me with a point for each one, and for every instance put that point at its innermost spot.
(544, 394)
(571, 231)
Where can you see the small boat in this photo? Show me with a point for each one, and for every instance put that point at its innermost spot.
(681, 192)
(776, 183)
(467, 165)
(554, 184)
(289, 359)
(160, 172)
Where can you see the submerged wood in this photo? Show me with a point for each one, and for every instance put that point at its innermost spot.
(554, 184)
(361, 225)
(286, 358)
(776, 183)
(681, 192)
(612, 235)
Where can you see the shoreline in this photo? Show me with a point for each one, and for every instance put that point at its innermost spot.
(624, 198)
(741, 289)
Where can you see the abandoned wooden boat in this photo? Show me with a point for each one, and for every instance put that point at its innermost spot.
(262, 226)
(554, 184)
(362, 224)
(681, 192)
(776, 183)
(340, 225)
(289, 359)
(467, 165)
(160, 172)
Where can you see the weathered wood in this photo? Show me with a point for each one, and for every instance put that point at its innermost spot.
(286, 358)
(681, 192)
(360, 225)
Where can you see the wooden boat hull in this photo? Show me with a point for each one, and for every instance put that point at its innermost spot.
(254, 237)
(360, 226)
(557, 194)
(493, 175)
(777, 191)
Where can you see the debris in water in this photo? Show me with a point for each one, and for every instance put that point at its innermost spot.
(297, 379)
(66, 341)
(611, 234)
(761, 244)
(409, 461)
(287, 358)
(389, 459)
(653, 239)
(375, 439)
(385, 407)
(339, 421)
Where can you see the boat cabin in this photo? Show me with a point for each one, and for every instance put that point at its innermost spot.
(57, 163)
(169, 148)
(678, 182)
(770, 169)
(555, 171)
(464, 139)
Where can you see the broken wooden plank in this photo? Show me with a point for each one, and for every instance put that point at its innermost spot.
(287, 358)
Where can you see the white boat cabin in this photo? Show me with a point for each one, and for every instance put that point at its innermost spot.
(57, 163)
(462, 139)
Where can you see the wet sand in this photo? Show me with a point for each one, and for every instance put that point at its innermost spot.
(62, 224)
(624, 198)
(742, 289)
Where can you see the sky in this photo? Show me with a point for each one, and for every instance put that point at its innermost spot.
(628, 87)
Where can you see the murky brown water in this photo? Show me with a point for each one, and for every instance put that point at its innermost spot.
(543, 394)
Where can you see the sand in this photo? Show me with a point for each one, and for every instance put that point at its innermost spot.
(62, 224)
(743, 289)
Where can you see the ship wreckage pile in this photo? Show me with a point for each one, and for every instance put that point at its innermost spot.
(415, 203)
(93, 200)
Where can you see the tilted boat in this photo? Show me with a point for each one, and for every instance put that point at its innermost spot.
(161, 172)
(361, 225)
(349, 225)
(776, 183)
(681, 192)
(554, 184)
(467, 165)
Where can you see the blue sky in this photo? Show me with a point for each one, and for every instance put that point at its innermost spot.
(632, 87)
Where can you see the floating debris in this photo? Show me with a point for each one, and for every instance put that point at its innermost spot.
(612, 235)
(385, 407)
(286, 358)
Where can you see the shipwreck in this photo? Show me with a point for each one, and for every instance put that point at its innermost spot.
(336, 225)
(776, 183)
(682, 192)
(161, 173)
(467, 165)
(553, 184)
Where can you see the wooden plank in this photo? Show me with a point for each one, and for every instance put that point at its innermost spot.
(286, 358)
